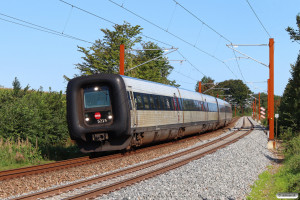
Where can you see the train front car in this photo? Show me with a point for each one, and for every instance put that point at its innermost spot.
(98, 113)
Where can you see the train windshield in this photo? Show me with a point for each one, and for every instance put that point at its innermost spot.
(95, 97)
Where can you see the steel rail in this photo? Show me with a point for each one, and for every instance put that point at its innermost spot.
(123, 172)
(59, 165)
(118, 185)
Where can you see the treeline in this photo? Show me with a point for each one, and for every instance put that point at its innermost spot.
(37, 116)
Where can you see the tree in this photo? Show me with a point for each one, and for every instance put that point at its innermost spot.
(289, 110)
(16, 85)
(157, 70)
(206, 83)
(237, 89)
(103, 56)
(294, 34)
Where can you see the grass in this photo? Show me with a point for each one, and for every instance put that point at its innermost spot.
(16, 154)
(280, 178)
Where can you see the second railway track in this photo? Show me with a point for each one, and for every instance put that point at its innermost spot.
(182, 158)
(38, 169)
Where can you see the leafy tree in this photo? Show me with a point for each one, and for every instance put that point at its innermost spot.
(157, 70)
(16, 85)
(295, 34)
(206, 84)
(237, 89)
(103, 56)
(289, 110)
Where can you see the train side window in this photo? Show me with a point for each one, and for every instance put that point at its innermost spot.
(139, 101)
(152, 104)
(162, 102)
(129, 101)
(146, 101)
(171, 103)
(167, 103)
(156, 102)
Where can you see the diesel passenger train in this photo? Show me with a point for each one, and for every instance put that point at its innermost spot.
(108, 112)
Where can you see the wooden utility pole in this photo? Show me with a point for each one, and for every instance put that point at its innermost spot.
(122, 59)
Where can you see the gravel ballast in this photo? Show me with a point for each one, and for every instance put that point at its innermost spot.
(226, 174)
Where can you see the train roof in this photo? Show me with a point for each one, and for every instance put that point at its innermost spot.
(145, 86)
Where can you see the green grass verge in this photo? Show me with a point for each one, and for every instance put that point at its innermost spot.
(280, 179)
(16, 154)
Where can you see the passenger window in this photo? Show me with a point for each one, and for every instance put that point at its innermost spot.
(146, 102)
(152, 104)
(139, 102)
(171, 103)
(162, 102)
(156, 102)
(167, 103)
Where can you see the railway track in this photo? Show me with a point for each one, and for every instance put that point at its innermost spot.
(160, 165)
(59, 165)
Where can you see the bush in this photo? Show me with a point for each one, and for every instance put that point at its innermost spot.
(35, 115)
(18, 153)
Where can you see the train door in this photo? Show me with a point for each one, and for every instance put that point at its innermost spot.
(176, 107)
(218, 110)
(133, 107)
(180, 105)
(206, 110)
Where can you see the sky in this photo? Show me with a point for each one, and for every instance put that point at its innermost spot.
(199, 29)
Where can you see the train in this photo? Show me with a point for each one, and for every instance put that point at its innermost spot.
(110, 112)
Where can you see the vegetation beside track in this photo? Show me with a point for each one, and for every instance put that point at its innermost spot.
(280, 177)
(33, 127)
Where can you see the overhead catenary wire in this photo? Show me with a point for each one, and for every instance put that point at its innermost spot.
(179, 38)
(218, 33)
(67, 21)
(167, 44)
(201, 21)
(258, 19)
(40, 28)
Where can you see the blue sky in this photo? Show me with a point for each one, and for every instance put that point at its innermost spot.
(41, 59)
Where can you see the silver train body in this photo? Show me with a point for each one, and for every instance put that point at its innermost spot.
(108, 112)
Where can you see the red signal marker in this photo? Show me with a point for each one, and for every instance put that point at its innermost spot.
(97, 115)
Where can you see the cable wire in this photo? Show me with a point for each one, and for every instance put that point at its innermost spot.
(140, 33)
(202, 21)
(40, 28)
(258, 19)
(179, 38)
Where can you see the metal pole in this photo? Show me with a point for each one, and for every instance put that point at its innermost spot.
(255, 108)
(235, 110)
(199, 86)
(259, 106)
(122, 60)
(271, 89)
(268, 101)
